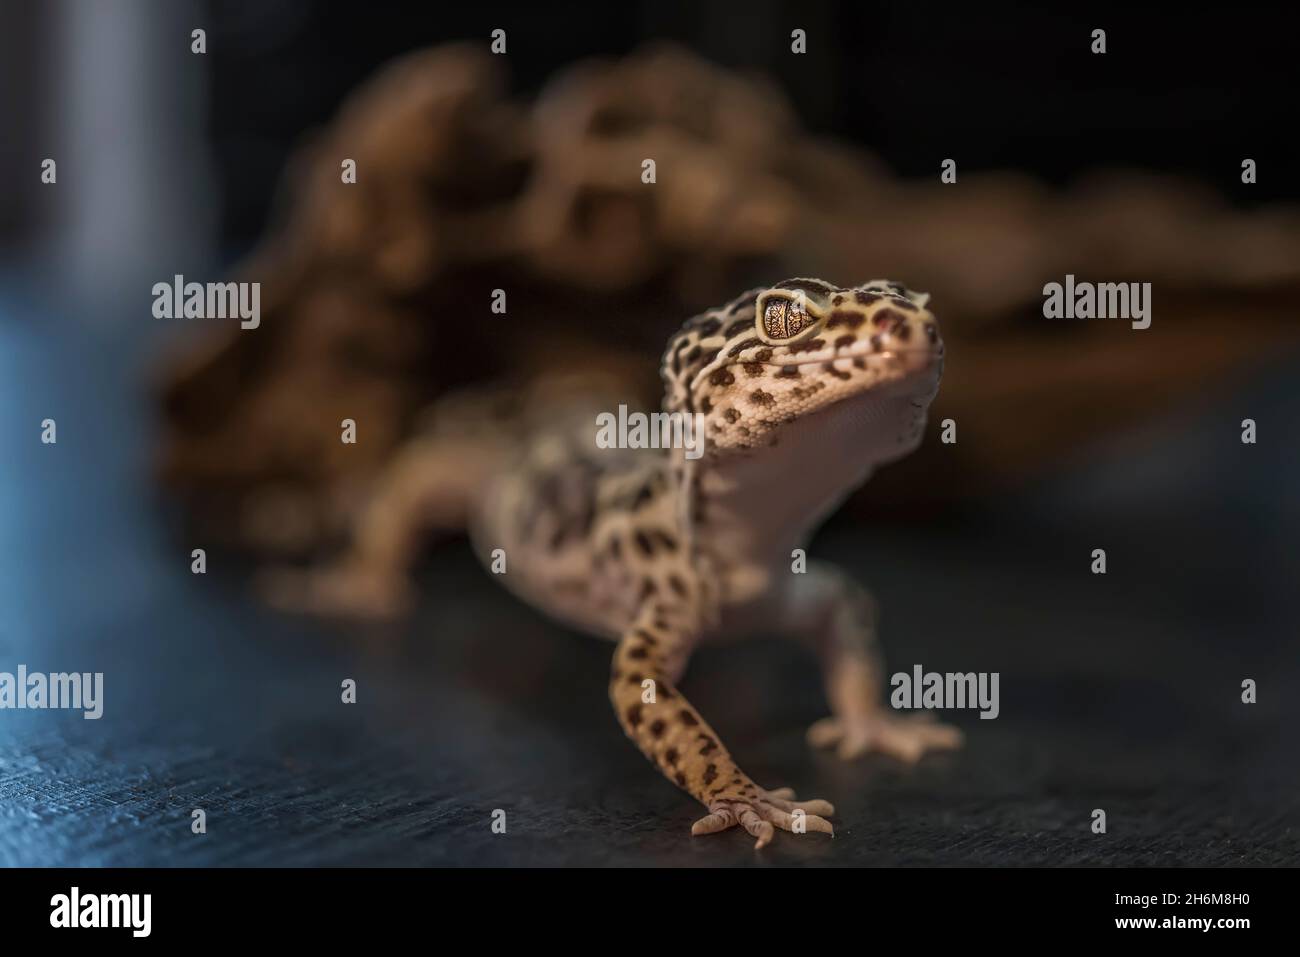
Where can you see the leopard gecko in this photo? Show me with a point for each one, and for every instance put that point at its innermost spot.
(804, 389)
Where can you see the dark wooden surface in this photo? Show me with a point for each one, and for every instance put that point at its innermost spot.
(1119, 693)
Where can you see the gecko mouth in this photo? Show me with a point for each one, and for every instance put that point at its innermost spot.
(867, 352)
(898, 372)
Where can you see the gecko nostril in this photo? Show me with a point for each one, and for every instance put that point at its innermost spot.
(888, 319)
(932, 332)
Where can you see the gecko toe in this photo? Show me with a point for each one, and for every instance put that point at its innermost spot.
(907, 738)
(719, 820)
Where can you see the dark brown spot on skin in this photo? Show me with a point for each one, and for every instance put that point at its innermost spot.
(789, 372)
(687, 718)
(635, 678)
(709, 327)
(859, 362)
(706, 406)
(737, 327)
(644, 494)
(845, 317)
(905, 304)
(643, 543)
(681, 779)
(837, 301)
(677, 356)
(865, 298)
(693, 355)
(810, 345)
(677, 585)
(638, 653)
(903, 332)
(671, 755)
(634, 715)
(875, 343)
(759, 397)
(648, 588)
(740, 347)
(763, 355)
(710, 356)
(754, 368)
(843, 341)
(732, 415)
(830, 368)
(666, 541)
(709, 746)
(721, 377)
(710, 774)
(657, 728)
(645, 636)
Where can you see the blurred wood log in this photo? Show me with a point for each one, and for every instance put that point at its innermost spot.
(376, 294)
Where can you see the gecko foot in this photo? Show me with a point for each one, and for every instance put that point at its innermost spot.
(758, 815)
(341, 590)
(906, 737)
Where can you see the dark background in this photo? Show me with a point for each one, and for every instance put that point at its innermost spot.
(1190, 90)
(1119, 692)
(1183, 91)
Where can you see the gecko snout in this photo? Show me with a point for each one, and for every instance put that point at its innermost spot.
(911, 331)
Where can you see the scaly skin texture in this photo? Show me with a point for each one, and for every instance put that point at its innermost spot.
(804, 388)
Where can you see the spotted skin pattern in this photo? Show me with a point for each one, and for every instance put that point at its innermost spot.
(805, 388)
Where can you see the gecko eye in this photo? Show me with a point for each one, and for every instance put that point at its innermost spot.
(785, 316)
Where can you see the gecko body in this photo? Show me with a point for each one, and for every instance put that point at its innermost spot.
(805, 388)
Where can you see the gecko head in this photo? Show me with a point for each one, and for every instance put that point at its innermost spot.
(782, 354)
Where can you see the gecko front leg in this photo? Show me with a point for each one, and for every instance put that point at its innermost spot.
(838, 617)
(649, 659)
